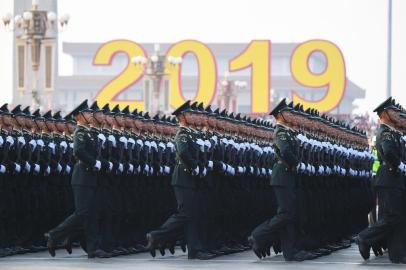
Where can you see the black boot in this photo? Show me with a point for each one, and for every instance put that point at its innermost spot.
(51, 245)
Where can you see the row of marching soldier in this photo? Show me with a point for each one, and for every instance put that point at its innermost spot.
(321, 182)
(302, 187)
(319, 171)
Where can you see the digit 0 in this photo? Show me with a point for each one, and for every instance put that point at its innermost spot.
(128, 77)
(207, 72)
(333, 76)
(256, 56)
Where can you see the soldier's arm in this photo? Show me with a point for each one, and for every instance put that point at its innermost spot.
(80, 151)
(390, 149)
(285, 149)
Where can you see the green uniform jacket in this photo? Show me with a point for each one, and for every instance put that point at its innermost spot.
(84, 149)
(388, 147)
(283, 173)
(187, 153)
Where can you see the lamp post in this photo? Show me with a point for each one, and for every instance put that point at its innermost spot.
(155, 70)
(228, 90)
(389, 64)
(33, 27)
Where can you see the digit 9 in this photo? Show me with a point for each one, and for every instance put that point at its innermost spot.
(333, 76)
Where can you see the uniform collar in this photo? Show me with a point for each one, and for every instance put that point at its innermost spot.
(391, 128)
(285, 127)
(82, 126)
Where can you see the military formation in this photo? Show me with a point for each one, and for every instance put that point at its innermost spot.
(120, 182)
(36, 167)
(321, 182)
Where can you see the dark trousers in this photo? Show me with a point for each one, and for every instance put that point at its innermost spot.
(83, 218)
(391, 203)
(282, 225)
(184, 222)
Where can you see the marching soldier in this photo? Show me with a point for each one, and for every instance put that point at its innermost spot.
(84, 184)
(389, 183)
(185, 183)
(283, 182)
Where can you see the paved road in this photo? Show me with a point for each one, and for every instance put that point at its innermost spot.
(347, 259)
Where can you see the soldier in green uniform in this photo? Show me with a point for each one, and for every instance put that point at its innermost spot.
(185, 183)
(389, 182)
(84, 184)
(283, 182)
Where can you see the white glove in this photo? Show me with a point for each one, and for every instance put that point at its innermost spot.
(224, 166)
(52, 146)
(120, 167)
(204, 172)
(33, 144)
(130, 168)
(21, 140)
(240, 169)
(167, 170)
(139, 142)
(1, 141)
(162, 145)
(101, 137)
(48, 170)
(195, 171)
(2, 168)
(171, 146)
(110, 166)
(161, 170)
(67, 169)
(402, 167)
(146, 168)
(64, 146)
(200, 142)
(40, 143)
(36, 168)
(27, 167)
(71, 145)
(17, 168)
(124, 141)
(151, 170)
(153, 145)
(321, 169)
(59, 168)
(97, 165)
(263, 171)
(210, 164)
(112, 139)
(131, 143)
(10, 140)
(251, 170)
(139, 169)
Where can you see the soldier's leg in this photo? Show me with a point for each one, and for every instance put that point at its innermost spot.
(174, 226)
(269, 230)
(390, 215)
(83, 196)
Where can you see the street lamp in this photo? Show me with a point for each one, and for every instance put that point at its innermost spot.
(228, 92)
(155, 70)
(33, 27)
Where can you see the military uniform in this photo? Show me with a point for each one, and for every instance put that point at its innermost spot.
(283, 183)
(389, 186)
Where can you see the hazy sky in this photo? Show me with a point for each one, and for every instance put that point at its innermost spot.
(358, 27)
